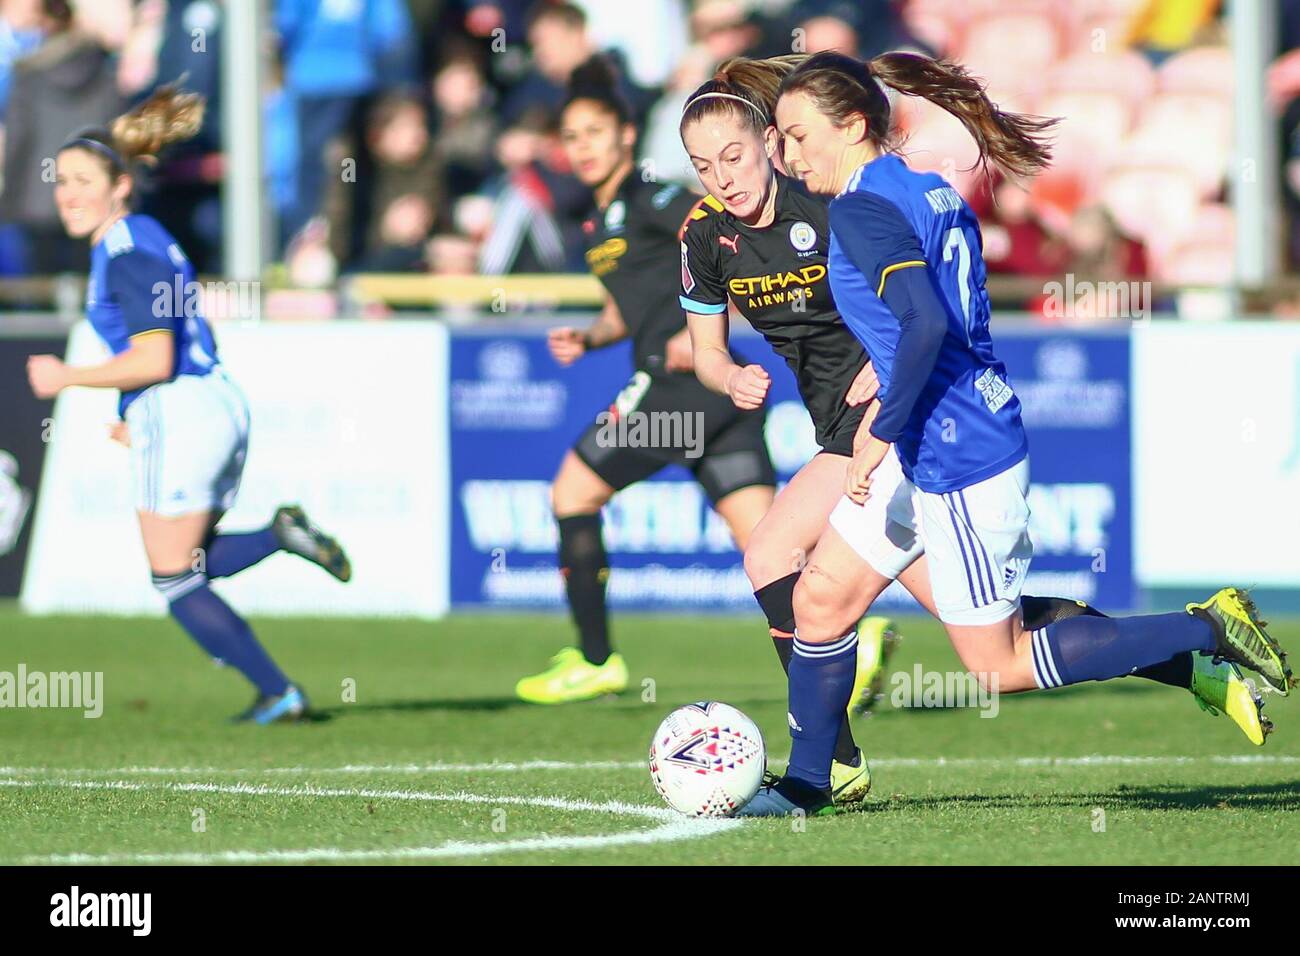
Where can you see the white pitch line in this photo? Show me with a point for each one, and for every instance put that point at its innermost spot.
(672, 826)
(1093, 760)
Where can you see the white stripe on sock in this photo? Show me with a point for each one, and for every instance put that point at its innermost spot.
(845, 643)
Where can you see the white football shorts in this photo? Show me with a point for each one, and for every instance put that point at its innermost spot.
(189, 439)
(976, 539)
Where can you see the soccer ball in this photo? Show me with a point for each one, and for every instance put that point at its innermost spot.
(707, 759)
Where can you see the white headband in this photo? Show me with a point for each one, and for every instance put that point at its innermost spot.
(726, 96)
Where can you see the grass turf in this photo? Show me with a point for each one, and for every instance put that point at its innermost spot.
(397, 775)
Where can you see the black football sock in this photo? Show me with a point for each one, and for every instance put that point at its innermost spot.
(1040, 611)
(585, 567)
(777, 601)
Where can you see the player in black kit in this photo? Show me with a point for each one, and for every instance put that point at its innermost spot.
(632, 240)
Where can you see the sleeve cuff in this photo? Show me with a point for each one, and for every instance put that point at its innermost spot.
(702, 308)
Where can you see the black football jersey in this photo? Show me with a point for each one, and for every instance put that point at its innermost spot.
(632, 250)
(777, 277)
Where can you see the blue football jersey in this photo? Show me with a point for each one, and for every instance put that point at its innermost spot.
(141, 282)
(965, 426)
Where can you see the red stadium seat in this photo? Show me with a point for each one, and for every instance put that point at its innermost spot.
(1205, 69)
(1123, 73)
(937, 142)
(1189, 130)
(1011, 52)
(1157, 204)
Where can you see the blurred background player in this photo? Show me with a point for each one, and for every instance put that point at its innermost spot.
(907, 272)
(184, 420)
(632, 247)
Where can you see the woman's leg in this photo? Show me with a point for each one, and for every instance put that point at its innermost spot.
(173, 546)
(577, 495)
(743, 510)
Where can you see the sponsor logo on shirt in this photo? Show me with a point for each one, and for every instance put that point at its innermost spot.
(733, 243)
(995, 391)
(603, 259)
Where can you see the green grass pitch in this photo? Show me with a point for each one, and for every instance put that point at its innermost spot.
(434, 762)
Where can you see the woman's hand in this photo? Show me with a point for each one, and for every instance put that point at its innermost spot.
(119, 433)
(566, 345)
(47, 374)
(857, 480)
(864, 387)
(748, 386)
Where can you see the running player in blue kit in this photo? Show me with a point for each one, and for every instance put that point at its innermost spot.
(907, 274)
(183, 418)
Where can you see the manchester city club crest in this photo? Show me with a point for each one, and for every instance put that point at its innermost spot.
(615, 215)
(803, 236)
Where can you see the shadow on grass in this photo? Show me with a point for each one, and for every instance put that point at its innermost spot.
(1263, 797)
(626, 703)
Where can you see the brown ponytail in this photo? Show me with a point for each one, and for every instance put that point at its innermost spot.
(842, 87)
(169, 115)
(756, 82)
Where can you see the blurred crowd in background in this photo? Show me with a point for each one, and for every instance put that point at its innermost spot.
(419, 135)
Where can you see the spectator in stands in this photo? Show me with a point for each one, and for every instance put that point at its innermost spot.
(137, 60)
(464, 128)
(539, 206)
(1015, 240)
(1161, 28)
(65, 84)
(335, 55)
(185, 195)
(395, 209)
(1097, 249)
(21, 32)
(558, 38)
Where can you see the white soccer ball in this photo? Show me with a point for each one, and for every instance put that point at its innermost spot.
(707, 759)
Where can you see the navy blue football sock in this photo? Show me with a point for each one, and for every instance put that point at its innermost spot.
(821, 680)
(229, 554)
(1099, 648)
(221, 632)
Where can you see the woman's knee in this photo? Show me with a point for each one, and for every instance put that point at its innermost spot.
(769, 557)
(823, 609)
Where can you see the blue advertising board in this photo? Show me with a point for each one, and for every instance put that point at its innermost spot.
(514, 413)
(1075, 398)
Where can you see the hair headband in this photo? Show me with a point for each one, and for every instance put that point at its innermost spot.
(727, 96)
(96, 146)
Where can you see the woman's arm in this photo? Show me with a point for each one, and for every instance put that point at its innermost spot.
(747, 385)
(568, 344)
(608, 328)
(148, 361)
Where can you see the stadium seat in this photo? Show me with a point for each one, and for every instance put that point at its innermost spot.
(937, 142)
(1123, 73)
(1189, 130)
(1011, 52)
(1207, 261)
(1157, 204)
(1204, 69)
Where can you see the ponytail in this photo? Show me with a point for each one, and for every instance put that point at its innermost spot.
(169, 115)
(842, 87)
